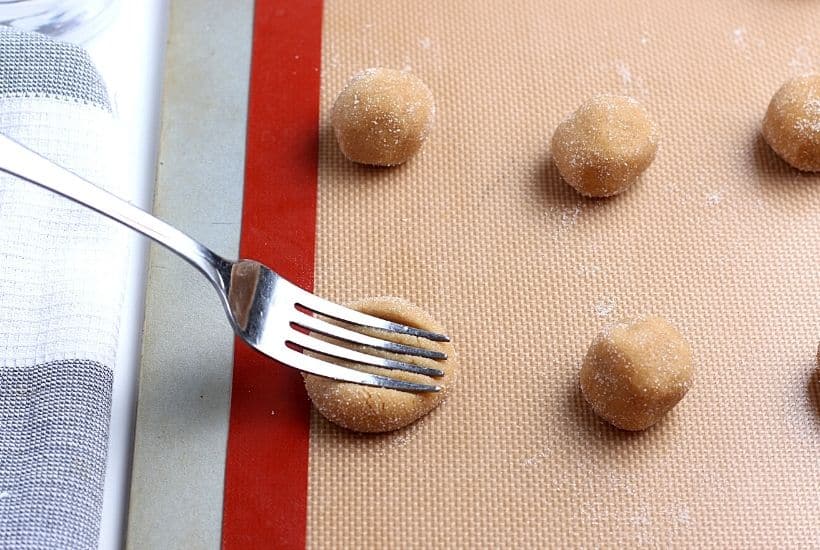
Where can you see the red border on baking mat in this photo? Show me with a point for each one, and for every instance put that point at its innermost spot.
(267, 457)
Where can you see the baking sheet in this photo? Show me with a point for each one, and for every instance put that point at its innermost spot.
(720, 237)
(187, 354)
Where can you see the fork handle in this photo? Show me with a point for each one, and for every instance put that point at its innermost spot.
(20, 161)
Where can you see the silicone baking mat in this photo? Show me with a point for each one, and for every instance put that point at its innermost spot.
(720, 237)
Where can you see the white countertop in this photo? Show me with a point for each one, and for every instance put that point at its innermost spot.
(129, 54)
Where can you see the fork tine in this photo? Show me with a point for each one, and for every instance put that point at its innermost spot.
(318, 367)
(329, 329)
(326, 348)
(329, 309)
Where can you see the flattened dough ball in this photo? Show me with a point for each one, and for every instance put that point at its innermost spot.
(636, 371)
(792, 123)
(604, 146)
(367, 409)
(382, 117)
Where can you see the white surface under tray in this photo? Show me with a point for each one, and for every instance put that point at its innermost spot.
(129, 55)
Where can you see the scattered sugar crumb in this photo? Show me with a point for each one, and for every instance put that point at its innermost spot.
(644, 40)
(589, 270)
(604, 308)
(714, 198)
(682, 516)
(592, 513)
(296, 57)
(536, 458)
(272, 413)
(623, 71)
(631, 85)
(743, 40)
(569, 217)
(801, 60)
(403, 438)
(739, 37)
(564, 218)
(425, 43)
(641, 518)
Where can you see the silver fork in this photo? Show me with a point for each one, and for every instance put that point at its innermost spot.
(268, 312)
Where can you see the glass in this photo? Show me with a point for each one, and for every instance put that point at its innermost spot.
(72, 20)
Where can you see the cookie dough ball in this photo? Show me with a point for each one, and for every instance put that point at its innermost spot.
(636, 371)
(367, 409)
(792, 123)
(605, 145)
(382, 117)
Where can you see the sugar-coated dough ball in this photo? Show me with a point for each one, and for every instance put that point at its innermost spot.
(367, 409)
(604, 146)
(792, 123)
(636, 371)
(382, 117)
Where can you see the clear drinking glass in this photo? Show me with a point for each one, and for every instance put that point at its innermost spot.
(73, 20)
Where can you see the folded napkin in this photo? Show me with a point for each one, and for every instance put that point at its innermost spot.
(62, 270)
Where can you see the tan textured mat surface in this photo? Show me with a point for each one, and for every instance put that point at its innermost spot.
(720, 237)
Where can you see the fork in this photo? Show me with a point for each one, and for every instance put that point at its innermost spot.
(271, 314)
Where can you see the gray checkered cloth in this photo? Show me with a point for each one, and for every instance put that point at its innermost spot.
(60, 301)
